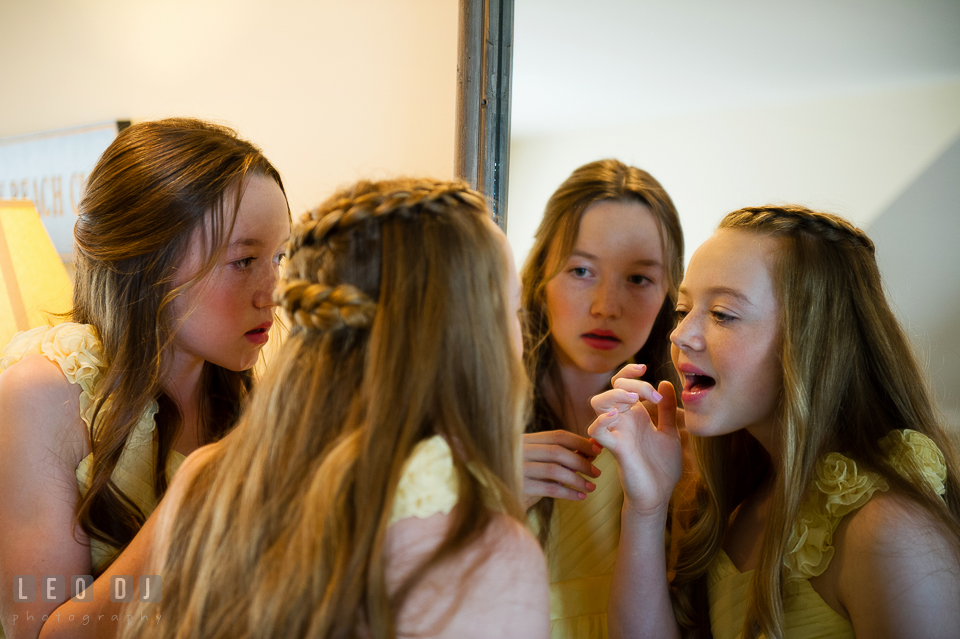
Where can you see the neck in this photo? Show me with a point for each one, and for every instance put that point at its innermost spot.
(578, 387)
(763, 433)
(182, 381)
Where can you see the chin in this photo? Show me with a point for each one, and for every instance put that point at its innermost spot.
(699, 424)
(594, 364)
(238, 366)
(599, 369)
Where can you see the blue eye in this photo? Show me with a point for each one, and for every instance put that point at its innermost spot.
(243, 263)
(579, 271)
(721, 317)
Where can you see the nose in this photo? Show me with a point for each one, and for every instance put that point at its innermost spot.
(263, 295)
(606, 299)
(687, 336)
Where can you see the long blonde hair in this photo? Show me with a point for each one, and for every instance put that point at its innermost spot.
(602, 180)
(397, 294)
(849, 378)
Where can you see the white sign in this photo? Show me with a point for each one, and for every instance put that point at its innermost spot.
(51, 169)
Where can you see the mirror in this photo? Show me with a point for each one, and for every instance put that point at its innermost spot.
(851, 108)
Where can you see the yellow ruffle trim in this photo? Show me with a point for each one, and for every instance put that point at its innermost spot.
(76, 349)
(428, 483)
(839, 487)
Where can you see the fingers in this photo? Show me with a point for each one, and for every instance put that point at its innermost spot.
(534, 489)
(554, 463)
(599, 430)
(630, 371)
(557, 455)
(557, 474)
(643, 389)
(563, 438)
(667, 409)
(624, 394)
(618, 398)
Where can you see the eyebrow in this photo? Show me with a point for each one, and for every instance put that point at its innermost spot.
(722, 290)
(247, 241)
(591, 256)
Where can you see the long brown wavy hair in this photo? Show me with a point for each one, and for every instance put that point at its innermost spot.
(152, 190)
(849, 378)
(397, 295)
(603, 180)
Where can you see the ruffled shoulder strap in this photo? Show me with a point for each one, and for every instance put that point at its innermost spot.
(839, 487)
(428, 483)
(909, 450)
(74, 347)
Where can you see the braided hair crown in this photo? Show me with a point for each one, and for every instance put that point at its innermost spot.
(793, 218)
(309, 299)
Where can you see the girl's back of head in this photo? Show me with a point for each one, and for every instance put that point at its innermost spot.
(397, 294)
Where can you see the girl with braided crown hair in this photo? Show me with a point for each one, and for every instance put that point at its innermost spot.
(829, 500)
(178, 240)
(372, 487)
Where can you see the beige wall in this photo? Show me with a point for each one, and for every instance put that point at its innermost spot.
(852, 156)
(331, 91)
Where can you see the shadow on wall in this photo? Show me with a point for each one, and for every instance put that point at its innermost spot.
(918, 251)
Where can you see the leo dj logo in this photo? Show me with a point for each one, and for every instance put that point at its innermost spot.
(53, 588)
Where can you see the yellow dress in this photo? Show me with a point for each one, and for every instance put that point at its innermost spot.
(428, 482)
(76, 349)
(839, 488)
(581, 552)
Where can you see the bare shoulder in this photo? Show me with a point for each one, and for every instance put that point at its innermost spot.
(511, 540)
(894, 528)
(42, 440)
(36, 378)
(41, 409)
(496, 586)
(899, 572)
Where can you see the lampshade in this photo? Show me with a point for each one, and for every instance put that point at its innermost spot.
(34, 284)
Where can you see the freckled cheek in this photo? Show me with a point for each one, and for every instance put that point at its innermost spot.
(643, 312)
(228, 301)
(561, 305)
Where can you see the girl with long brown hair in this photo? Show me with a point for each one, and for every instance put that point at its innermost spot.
(829, 504)
(178, 241)
(599, 287)
(372, 487)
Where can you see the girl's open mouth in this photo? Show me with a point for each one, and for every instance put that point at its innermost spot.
(697, 383)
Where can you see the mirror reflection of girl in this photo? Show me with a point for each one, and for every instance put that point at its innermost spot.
(599, 288)
(178, 240)
(372, 488)
(830, 500)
